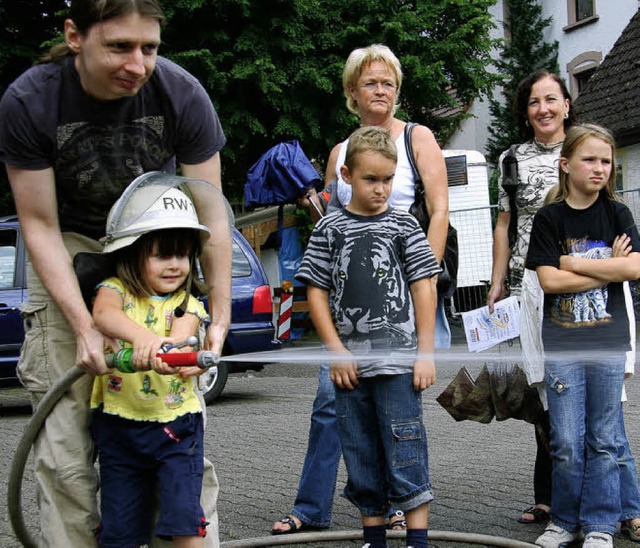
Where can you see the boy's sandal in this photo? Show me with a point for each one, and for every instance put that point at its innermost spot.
(539, 515)
(397, 521)
(632, 531)
(293, 526)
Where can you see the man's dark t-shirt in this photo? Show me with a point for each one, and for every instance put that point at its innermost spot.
(96, 148)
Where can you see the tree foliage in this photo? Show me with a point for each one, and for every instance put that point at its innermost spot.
(273, 69)
(26, 26)
(524, 52)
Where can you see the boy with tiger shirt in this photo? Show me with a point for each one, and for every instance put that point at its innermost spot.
(371, 279)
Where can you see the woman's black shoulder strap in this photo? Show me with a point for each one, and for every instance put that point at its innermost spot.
(510, 171)
(510, 185)
(408, 130)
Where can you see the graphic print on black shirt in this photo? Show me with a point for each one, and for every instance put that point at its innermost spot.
(102, 147)
(585, 307)
(589, 319)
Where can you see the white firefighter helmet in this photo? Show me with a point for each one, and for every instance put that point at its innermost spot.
(149, 207)
(154, 201)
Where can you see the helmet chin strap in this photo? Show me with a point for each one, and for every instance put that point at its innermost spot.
(180, 310)
(182, 307)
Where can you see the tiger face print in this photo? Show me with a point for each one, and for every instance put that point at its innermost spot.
(373, 305)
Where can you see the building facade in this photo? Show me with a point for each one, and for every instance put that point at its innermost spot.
(586, 31)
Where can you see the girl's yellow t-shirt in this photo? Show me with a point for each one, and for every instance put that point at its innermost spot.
(147, 395)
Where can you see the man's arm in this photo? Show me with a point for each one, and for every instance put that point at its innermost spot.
(216, 255)
(35, 198)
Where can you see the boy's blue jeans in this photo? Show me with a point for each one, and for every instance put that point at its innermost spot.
(314, 501)
(384, 444)
(584, 409)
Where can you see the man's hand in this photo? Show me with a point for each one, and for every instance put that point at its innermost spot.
(424, 374)
(214, 340)
(90, 351)
(191, 371)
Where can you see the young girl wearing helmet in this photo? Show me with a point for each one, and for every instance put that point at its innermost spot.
(148, 425)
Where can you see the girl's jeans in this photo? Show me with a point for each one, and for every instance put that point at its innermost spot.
(584, 409)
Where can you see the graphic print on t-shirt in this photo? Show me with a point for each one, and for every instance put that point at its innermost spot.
(586, 307)
(95, 163)
(372, 299)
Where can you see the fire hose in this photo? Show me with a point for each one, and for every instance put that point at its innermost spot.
(122, 360)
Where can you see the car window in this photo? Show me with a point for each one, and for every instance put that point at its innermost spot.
(240, 266)
(8, 239)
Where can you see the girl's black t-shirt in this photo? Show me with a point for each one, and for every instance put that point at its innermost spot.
(590, 320)
(96, 148)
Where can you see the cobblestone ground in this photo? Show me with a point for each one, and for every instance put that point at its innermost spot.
(257, 433)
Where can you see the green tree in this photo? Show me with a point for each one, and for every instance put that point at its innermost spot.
(524, 51)
(273, 69)
(26, 26)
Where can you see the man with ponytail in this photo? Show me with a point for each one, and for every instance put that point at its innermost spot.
(100, 110)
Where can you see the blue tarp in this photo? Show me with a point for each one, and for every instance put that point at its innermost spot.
(290, 254)
(281, 175)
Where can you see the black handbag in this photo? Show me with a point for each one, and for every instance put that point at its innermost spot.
(510, 186)
(448, 279)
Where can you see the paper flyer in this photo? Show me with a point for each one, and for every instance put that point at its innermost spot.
(484, 330)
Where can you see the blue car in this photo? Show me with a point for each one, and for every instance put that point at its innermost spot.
(251, 329)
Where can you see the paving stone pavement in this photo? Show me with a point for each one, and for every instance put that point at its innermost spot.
(257, 433)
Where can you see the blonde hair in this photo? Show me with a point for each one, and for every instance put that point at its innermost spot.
(552, 195)
(361, 58)
(370, 139)
(576, 136)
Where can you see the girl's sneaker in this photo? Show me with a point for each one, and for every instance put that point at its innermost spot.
(555, 536)
(598, 540)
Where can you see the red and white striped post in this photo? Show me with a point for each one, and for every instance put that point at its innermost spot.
(284, 315)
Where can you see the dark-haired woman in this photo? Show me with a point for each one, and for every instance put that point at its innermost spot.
(544, 113)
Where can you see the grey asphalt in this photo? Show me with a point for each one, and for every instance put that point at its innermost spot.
(257, 433)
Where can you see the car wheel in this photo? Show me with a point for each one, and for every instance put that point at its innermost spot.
(214, 382)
